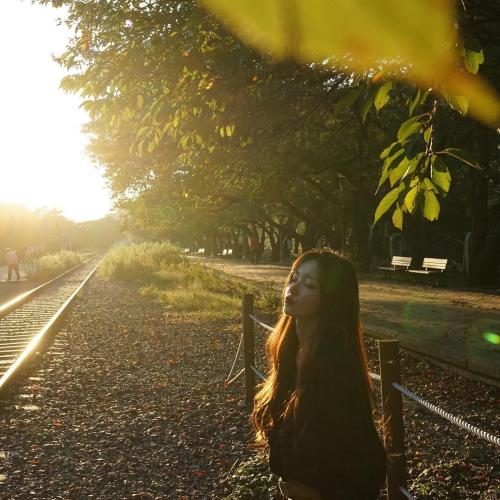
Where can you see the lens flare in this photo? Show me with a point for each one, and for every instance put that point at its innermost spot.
(491, 337)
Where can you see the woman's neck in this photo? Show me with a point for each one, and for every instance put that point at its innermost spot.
(304, 328)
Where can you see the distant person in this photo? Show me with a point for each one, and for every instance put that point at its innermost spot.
(314, 411)
(254, 250)
(12, 263)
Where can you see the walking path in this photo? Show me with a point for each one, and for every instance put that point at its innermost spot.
(458, 328)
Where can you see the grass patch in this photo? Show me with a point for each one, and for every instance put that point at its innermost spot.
(181, 285)
(251, 480)
(192, 301)
(51, 265)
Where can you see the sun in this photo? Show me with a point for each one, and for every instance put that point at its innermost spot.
(43, 161)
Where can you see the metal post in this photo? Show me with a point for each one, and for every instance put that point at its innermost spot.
(392, 407)
(248, 347)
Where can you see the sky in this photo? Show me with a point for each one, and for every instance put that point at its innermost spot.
(42, 148)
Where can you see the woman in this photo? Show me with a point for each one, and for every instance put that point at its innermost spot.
(315, 409)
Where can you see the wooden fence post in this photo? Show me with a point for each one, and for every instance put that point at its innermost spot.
(248, 347)
(392, 407)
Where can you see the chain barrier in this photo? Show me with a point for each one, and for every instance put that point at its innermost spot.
(259, 322)
(237, 376)
(234, 361)
(448, 416)
(258, 373)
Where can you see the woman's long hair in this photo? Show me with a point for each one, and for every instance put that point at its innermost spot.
(332, 386)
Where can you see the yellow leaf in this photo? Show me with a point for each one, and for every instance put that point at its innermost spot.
(415, 39)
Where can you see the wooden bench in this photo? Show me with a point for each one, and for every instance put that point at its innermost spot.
(398, 263)
(431, 267)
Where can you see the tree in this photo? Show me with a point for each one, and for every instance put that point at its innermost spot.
(205, 140)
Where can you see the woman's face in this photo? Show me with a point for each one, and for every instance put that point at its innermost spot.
(302, 295)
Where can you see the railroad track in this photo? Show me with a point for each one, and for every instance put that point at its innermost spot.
(28, 321)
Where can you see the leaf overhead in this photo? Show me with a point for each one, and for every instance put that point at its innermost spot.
(416, 40)
(387, 201)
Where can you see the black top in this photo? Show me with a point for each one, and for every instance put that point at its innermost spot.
(339, 463)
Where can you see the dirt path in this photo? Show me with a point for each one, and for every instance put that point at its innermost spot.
(458, 327)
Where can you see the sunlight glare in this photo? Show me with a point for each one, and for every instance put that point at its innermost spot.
(43, 162)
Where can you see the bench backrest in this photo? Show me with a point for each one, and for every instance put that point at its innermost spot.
(397, 260)
(439, 264)
(230, 251)
(224, 252)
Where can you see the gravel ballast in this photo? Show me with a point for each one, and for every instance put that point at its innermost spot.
(130, 403)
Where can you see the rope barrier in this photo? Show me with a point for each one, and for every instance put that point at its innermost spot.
(258, 373)
(235, 358)
(406, 493)
(448, 416)
(229, 382)
(259, 322)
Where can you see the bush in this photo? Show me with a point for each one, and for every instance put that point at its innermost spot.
(136, 263)
(51, 265)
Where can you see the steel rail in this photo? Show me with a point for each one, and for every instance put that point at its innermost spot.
(36, 341)
(22, 298)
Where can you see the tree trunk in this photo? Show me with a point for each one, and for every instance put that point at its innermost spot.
(479, 228)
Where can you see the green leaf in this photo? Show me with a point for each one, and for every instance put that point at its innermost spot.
(440, 174)
(367, 102)
(140, 101)
(409, 127)
(473, 59)
(382, 97)
(414, 38)
(397, 172)
(387, 150)
(413, 145)
(427, 134)
(461, 155)
(142, 132)
(397, 218)
(387, 201)
(429, 186)
(415, 102)
(458, 102)
(184, 142)
(431, 206)
(387, 167)
(405, 168)
(350, 98)
(222, 131)
(411, 197)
